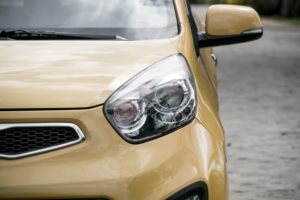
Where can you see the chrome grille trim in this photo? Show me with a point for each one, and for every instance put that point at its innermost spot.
(78, 131)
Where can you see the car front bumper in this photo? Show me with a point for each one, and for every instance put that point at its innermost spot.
(105, 166)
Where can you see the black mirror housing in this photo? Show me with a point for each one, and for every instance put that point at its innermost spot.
(205, 40)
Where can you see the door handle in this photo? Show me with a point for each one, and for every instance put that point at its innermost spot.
(215, 59)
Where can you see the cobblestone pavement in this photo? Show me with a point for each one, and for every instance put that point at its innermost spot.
(260, 109)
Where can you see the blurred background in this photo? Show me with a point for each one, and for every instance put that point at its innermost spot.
(259, 87)
(284, 8)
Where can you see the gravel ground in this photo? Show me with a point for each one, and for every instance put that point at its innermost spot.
(260, 109)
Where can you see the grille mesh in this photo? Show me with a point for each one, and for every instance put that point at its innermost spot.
(18, 140)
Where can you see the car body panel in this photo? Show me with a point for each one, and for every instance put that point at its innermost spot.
(208, 105)
(71, 74)
(107, 166)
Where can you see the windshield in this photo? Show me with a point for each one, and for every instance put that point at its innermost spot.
(130, 19)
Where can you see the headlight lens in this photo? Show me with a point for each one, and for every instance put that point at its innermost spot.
(155, 102)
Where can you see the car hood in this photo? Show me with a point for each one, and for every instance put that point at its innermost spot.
(71, 74)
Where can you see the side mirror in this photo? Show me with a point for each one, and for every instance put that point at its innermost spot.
(229, 24)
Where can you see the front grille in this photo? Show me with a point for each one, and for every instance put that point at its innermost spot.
(19, 140)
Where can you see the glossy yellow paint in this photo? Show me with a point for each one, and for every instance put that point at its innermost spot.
(106, 166)
(224, 20)
(41, 74)
(77, 74)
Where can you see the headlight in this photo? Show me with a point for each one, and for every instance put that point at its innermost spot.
(155, 102)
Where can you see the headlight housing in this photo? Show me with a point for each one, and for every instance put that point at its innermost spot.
(155, 102)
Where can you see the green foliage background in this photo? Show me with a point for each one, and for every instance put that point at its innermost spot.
(285, 8)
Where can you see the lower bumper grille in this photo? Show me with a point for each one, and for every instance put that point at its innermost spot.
(196, 191)
(20, 140)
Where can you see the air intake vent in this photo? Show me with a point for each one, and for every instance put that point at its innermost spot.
(19, 140)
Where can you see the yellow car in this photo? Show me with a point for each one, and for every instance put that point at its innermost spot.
(113, 100)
